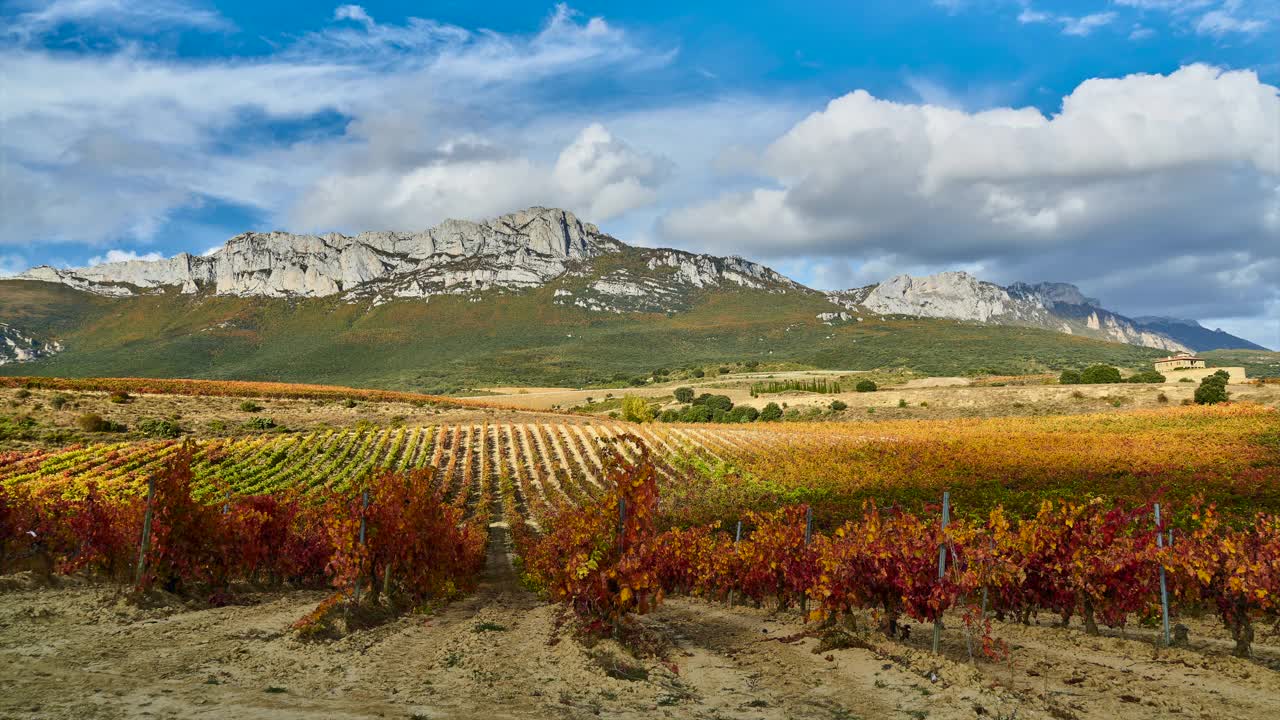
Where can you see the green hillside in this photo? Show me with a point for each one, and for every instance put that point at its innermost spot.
(1256, 363)
(451, 343)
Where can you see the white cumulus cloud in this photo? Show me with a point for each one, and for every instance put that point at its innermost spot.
(1183, 167)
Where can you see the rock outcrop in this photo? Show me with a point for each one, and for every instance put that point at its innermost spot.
(18, 346)
(519, 250)
(958, 295)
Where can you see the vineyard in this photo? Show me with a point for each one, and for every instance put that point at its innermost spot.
(1150, 519)
(550, 465)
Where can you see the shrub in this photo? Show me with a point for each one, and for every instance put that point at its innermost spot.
(1185, 379)
(684, 394)
(902, 402)
(260, 423)
(1069, 377)
(1146, 376)
(743, 414)
(1212, 390)
(753, 364)
(838, 405)
(160, 428)
(638, 381)
(19, 428)
(120, 397)
(1100, 375)
(725, 370)
(58, 401)
(635, 409)
(715, 402)
(669, 416)
(771, 412)
(696, 413)
(250, 406)
(1162, 398)
(865, 386)
(698, 372)
(22, 394)
(348, 403)
(93, 422)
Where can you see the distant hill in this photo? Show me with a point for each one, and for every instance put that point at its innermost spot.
(536, 297)
(1194, 335)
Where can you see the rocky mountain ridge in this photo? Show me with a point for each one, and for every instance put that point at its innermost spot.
(958, 295)
(518, 251)
(584, 268)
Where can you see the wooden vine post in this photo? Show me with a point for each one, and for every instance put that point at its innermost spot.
(622, 525)
(737, 537)
(808, 535)
(364, 507)
(942, 565)
(145, 544)
(1164, 589)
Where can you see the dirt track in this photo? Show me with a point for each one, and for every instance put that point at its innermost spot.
(76, 652)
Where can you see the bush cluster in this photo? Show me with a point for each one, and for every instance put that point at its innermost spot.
(1213, 389)
(159, 428)
(93, 422)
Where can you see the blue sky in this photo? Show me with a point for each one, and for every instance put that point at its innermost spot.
(1129, 146)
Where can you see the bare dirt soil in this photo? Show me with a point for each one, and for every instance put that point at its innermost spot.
(80, 651)
(203, 417)
(937, 398)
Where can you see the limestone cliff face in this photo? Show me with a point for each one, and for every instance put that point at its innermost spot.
(961, 296)
(522, 249)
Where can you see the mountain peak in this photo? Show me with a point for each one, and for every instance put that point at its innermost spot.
(519, 249)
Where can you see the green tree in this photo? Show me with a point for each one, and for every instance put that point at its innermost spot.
(1212, 390)
(696, 413)
(1069, 377)
(771, 412)
(865, 386)
(838, 405)
(715, 402)
(1100, 375)
(635, 409)
(684, 394)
